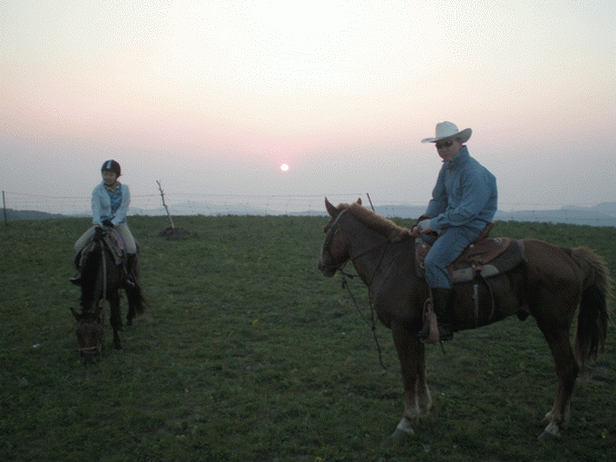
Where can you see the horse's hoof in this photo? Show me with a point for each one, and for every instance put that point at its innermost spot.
(551, 432)
(403, 429)
(547, 436)
(399, 434)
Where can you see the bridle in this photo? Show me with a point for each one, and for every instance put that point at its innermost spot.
(332, 229)
(331, 232)
(93, 350)
(90, 350)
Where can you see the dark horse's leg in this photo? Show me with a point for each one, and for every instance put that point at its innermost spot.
(411, 353)
(115, 319)
(567, 371)
(131, 307)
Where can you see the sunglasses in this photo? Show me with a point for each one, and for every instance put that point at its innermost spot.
(444, 144)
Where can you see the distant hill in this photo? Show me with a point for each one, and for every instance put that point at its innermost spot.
(600, 215)
(607, 208)
(201, 208)
(564, 215)
(603, 214)
(12, 215)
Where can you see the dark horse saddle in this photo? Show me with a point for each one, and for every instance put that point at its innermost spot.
(111, 239)
(486, 257)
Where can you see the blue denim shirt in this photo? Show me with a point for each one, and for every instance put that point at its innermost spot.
(465, 194)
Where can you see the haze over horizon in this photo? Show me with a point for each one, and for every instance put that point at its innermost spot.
(213, 97)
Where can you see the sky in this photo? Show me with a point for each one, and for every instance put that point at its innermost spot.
(213, 97)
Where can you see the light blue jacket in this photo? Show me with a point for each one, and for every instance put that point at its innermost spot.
(101, 205)
(465, 194)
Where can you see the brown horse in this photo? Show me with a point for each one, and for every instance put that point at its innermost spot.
(550, 285)
(102, 278)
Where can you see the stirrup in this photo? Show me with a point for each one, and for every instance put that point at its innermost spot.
(424, 333)
(444, 332)
(75, 280)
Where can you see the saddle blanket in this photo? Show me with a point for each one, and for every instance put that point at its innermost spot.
(112, 240)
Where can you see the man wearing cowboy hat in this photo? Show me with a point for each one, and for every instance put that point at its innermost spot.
(463, 202)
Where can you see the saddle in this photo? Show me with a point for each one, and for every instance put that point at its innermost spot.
(486, 257)
(110, 239)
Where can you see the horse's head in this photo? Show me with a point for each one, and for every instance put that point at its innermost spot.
(90, 334)
(335, 252)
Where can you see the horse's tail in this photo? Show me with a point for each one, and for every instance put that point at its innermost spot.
(593, 317)
(136, 299)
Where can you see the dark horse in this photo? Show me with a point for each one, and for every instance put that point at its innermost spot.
(550, 284)
(101, 278)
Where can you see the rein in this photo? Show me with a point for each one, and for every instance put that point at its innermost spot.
(372, 324)
(98, 347)
(333, 229)
(104, 273)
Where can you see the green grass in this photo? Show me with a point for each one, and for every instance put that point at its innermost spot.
(248, 354)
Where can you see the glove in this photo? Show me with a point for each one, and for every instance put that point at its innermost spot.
(107, 224)
(98, 233)
(414, 231)
(425, 226)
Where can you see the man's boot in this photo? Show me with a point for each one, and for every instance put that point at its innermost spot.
(129, 271)
(442, 301)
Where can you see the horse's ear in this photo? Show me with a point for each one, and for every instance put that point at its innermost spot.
(359, 200)
(333, 211)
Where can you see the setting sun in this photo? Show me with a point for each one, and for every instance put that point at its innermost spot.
(284, 167)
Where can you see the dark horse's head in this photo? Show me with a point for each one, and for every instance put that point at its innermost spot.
(90, 335)
(89, 328)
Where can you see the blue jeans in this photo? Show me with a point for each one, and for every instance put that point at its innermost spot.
(444, 251)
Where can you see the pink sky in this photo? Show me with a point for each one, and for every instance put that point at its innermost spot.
(213, 99)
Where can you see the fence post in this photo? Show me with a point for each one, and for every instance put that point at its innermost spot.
(162, 195)
(6, 222)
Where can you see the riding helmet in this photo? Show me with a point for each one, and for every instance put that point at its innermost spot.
(113, 166)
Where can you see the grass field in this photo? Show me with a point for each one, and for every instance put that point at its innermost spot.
(248, 354)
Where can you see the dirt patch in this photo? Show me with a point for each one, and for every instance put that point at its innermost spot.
(175, 234)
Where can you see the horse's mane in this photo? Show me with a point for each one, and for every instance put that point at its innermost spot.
(91, 263)
(376, 222)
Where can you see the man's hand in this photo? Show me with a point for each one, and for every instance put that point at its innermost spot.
(425, 226)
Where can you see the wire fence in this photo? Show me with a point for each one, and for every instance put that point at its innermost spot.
(182, 204)
(41, 206)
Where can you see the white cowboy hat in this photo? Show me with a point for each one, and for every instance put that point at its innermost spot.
(449, 130)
